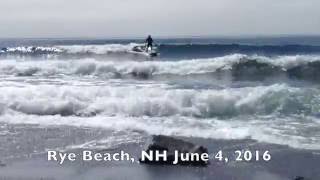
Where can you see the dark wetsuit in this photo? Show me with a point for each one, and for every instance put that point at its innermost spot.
(149, 41)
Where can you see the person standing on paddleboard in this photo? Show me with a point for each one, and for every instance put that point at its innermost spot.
(149, 42)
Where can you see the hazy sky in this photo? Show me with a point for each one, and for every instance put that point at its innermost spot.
(123, 18)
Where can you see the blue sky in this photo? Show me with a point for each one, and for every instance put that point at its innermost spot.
(132, 18)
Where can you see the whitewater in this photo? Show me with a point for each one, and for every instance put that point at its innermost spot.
(267, 93)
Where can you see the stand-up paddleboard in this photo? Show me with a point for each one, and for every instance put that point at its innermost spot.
(144, 51)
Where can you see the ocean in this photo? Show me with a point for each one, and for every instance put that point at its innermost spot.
(71, 94)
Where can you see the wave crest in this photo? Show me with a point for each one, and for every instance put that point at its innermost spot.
(153, 102)
(168, 50)
(238, 66)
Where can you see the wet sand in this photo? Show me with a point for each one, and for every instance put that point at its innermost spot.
(23, 156)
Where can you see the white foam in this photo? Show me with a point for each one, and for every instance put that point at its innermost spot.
(31, 49)
(94, 67)
(113, 141)
(252, 112)
(258, 128)
(288, 62)
(147, 101)
(98, 49)
(110, 68)
(167, 111)
(72, 49)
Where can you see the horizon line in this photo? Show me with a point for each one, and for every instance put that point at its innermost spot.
(172, 36)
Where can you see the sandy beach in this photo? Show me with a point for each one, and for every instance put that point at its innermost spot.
(29, 161)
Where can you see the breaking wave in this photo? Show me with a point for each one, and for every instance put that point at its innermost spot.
(72, 49)
(238, 66)
(272, 114)
(154, 102)
(167, 50)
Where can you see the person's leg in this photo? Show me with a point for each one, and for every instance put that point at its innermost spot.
(148, 45)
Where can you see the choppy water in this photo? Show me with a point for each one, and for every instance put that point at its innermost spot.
(265, 92)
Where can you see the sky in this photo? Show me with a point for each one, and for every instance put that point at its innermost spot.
(166, 18)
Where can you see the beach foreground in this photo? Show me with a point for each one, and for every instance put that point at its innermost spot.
(29, 161)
